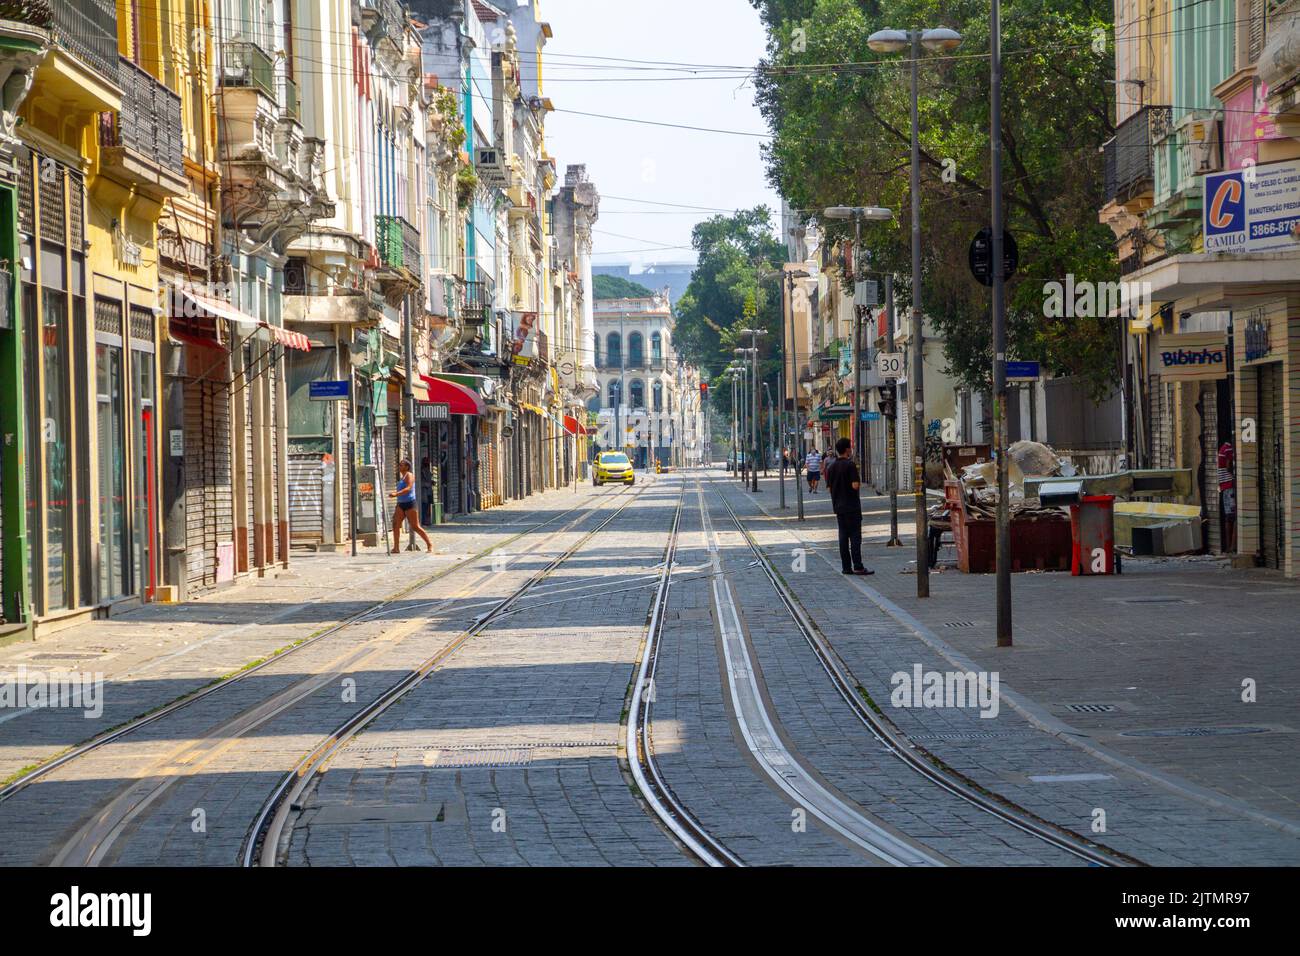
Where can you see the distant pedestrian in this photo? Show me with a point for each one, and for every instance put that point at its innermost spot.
(1227, 461)
(827, 457)
(844, 482)
(814, 465)
(406, 511)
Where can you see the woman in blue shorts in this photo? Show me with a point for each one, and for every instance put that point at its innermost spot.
(406, 511)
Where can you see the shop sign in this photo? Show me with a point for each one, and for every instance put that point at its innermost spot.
(1252, 210)
(1200, 355)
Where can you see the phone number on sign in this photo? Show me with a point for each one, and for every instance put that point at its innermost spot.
(1273, 227)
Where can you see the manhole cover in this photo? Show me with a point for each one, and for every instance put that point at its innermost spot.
(959, 624)
(1090, 708)
(1197, 732)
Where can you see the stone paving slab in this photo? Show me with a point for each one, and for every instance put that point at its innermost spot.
(157, 653)
(1143, 818)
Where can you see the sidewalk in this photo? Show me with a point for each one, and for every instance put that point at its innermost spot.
(157, 653)
(1146, 668)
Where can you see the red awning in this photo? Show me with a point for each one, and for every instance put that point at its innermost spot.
(462, 400)
(574, 427)
(288, 338)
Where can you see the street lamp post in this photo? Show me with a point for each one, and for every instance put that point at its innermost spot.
(752, 352)
(891, 458)
(894, 41)
(793, 381)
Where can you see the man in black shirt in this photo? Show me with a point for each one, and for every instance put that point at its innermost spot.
(843, 482)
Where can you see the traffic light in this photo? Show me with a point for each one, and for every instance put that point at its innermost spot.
(887, 400)
(704, 391)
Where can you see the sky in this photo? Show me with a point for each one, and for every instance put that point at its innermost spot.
(656, 164)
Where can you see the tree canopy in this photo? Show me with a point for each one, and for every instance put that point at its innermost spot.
(839, 113)
(735, 286)
(616, 287)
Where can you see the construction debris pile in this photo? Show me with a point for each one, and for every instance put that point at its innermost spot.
(978, 483)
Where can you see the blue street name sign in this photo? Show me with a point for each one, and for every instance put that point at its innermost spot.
(1023, 370)
(328, 391)
(870, 416)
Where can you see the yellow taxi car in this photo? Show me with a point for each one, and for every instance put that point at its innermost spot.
(612, 466)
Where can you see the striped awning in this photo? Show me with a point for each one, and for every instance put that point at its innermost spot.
(224, 310)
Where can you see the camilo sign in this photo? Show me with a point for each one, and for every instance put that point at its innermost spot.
(1255, 209)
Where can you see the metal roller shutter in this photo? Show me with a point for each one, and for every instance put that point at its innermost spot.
(251, 480)
(306, 512)
(209, 499)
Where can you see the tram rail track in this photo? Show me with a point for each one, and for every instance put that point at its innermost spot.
(93, 840)
(914, 755)
(263, 841)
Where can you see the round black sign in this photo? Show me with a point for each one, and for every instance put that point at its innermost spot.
(981, 256)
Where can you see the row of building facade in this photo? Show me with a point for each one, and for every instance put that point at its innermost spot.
(211, 215)
(1202, 193)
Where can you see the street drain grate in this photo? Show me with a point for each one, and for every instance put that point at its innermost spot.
(1197, 732)
(959, 624)
(1153, 600)
(55, 656)
(465, 759)
(1090, 708)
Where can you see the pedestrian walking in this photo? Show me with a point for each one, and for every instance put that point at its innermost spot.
(814, 465)
(843, 482)
(827, 457)
(406, 511)
(1227, 461)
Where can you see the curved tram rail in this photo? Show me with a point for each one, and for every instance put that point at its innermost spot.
(262, 843)
(915, 757)
(91, 843)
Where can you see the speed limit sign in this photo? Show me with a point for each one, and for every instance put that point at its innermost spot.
(889, 364)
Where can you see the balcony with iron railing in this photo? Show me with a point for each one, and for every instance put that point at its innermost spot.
(143, 141)
(1129, 156)
(245, 64)
(479, 296)
(85, 28)
(398, 244)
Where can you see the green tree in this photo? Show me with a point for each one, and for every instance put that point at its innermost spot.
(737, 256)
(840, 118)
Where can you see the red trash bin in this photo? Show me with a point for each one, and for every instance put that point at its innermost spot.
(1092, 527)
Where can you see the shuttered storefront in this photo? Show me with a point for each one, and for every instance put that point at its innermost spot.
(248, 460)
(274, 505)
(1272, 466)
(209, 498)
(306, 509)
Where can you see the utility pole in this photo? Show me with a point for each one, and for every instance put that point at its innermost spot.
(999, 337)
(916, 380)
(891, 457)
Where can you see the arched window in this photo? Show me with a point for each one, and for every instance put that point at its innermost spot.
(656, 347)
(613, 393)
(613, 349)
(637, 392)
(635, 350)
(659, 396)
(595, 351)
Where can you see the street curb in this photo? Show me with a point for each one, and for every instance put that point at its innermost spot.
(1046, 722)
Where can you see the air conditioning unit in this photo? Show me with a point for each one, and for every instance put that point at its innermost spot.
(1205, 143)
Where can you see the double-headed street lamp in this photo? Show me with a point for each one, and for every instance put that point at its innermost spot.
(752, 352)
(857, 214)
(935, 41)
(791, 347)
